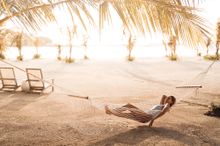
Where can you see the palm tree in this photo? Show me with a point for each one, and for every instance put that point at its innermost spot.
(217, 40)
(18, 41)
(172, 46)
(59, 52)
(69, 60)
(130, 47)
(37, 44)
(71, 34)
(85, 42)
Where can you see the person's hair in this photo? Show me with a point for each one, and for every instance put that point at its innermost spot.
(173, 100)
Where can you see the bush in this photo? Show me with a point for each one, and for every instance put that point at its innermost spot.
(211, 57)
(214, 110)
(36, 56)
(199, 54)
(131, 58)
(86, 57)
(173, 57)
(59, 58)
(20, 58)
(69, 60)
(2, 56)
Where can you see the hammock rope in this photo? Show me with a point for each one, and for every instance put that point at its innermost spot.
(91, 100)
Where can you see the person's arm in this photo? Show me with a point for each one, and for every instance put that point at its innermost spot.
(165, 109)
(163, 99)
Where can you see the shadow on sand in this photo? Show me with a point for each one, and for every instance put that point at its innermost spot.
(142, 133)
(14, 101)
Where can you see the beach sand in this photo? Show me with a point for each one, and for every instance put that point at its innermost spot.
(59, 119)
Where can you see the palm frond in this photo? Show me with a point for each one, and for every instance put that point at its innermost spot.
(32, 14)
(169, 17)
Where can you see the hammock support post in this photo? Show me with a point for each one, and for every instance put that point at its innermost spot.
(82, 97)
(190, 86)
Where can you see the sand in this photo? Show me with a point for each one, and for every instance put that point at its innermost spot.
(58, 119)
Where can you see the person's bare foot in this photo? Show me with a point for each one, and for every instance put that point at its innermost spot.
(107, 111)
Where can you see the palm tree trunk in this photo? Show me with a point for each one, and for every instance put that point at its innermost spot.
(217, 49)
(165, 46)
(1, 49)
(19, 45)
(70, 44)
(1, 54)
(59, 52)
(70, 52)
(85, 53)
(129, 54)
(130, 47)
(20, 53)
(218, 39)
(207, 46)
(85, 47)
(37, 50)
(174, 50)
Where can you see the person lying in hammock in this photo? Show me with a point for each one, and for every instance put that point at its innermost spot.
(130, 111)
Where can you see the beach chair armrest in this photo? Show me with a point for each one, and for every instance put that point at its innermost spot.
(50, 83)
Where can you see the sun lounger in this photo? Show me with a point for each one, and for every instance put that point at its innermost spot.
(36, 81)
(8, 79)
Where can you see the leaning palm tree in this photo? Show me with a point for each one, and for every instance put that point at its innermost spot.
(217, 40)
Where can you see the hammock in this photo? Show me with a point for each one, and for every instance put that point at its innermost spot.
(183, 90)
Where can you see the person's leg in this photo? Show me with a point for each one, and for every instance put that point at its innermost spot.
(124, 108)
(130, 106)
(134, 114)
(109, 110)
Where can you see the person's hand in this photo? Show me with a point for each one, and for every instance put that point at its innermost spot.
(151, 123)
(107, 111)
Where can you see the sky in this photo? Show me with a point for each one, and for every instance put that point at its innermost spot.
(211, 10)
